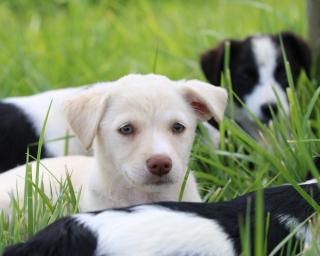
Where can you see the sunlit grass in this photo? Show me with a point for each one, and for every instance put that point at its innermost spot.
(49, 44)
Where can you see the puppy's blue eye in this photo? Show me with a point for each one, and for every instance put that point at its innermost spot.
(127, 129)
(178, 128)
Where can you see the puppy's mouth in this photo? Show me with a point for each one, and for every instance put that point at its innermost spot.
(266, 121)
(151, 181)
(158, 185)
(160, 181)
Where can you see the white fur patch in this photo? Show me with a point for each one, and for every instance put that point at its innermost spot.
(213, 134)
(312, 181)
(160, 145)
(154, 230)
(265, 54)
(303, 233)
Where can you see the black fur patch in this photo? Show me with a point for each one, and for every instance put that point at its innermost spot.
(64, 237)
(16, 133)
(282, 200)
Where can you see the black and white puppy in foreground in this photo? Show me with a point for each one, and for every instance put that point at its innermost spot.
(172, 228)
(258, 73)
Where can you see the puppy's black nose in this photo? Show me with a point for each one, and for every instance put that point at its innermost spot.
(159, 165)
(267, 110)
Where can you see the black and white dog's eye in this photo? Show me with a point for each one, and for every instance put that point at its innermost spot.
(127, 129)
(178, 128)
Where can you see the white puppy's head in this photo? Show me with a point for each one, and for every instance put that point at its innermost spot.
(144, 125)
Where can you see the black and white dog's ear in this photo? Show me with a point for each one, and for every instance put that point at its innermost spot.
(212, 61)
(299, 49)
(62, 238)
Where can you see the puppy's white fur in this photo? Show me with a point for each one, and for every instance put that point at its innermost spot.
(118, 175)
(268, 89)
(191, 235)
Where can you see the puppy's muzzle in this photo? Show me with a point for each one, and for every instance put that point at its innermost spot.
(267, 110)
(159, 165)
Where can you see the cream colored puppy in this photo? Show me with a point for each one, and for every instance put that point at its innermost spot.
(142, 129)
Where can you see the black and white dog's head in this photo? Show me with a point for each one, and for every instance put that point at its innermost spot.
(258, 72)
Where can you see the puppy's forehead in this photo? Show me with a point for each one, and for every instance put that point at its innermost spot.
(264, 49)
(139, 89)
(148, 93)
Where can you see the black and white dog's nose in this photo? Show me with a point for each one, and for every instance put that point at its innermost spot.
(267, 110)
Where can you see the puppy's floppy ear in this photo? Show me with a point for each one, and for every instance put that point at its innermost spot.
(299, 49)
(211, 63)
(84, 112)
(208, 101)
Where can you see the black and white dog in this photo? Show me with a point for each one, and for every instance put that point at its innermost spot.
(21, 120)
(171, 228)
(258, 73)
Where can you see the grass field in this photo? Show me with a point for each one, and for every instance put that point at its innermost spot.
(69, 43)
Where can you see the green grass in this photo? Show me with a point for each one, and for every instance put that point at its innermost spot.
(69, 43)
(66, 43)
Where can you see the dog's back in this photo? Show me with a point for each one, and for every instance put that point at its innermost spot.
(17, 132)
(172, 228)
(22, 119)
